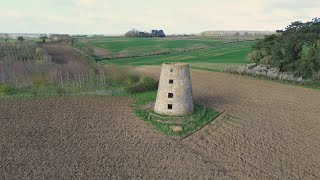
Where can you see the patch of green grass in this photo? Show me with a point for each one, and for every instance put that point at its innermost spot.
(199, 52)
(143, 98)
(50, 90)
(201, 116)
(6, 90)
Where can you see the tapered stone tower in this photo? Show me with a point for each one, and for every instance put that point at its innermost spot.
(174, 96)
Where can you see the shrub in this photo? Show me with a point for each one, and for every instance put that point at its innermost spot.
(60, 91)
(124, 79)
(94, 71)
(39, 80)
(132, 79)
(5, 90)
(296, 50)
(146, 84)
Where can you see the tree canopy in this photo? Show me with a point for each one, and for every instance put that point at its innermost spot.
(295, 49)
(20, 38)
(136, 33)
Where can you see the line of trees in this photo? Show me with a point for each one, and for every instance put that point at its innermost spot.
(295, 49)
(153, 33)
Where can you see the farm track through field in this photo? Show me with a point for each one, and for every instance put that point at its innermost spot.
(269, 131)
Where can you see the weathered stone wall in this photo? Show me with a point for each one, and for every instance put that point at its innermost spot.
(181, 89)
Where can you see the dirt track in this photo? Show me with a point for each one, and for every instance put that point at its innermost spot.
(276, 135)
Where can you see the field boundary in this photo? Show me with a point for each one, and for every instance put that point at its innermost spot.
(218, 118)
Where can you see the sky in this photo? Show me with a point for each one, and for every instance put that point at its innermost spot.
(173, 16)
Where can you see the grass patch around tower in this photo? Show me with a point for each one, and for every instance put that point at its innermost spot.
(143, 108)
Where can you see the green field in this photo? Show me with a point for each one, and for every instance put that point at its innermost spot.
(132, 47)
(203, 53)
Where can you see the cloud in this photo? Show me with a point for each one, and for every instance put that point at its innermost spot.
(293, 5)
(178, 16)
(87, 2)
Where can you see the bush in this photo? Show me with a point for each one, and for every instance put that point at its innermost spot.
(132, 79)
(5, 90)
(296, 50)
(124, 79)
(39, 80)
(146, 84)
(60, 91)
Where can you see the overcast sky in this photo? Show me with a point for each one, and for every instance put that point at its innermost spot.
(173, 16)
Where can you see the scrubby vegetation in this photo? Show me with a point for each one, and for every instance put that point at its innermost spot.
(294, 50)
(25, 64)
(146, 84)
(28, 70)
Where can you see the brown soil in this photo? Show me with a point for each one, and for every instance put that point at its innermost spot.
(91, 138)
(276, 131)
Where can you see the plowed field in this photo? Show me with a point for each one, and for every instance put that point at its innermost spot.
(269, 131)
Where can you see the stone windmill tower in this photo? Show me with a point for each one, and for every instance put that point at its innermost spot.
(174, 96)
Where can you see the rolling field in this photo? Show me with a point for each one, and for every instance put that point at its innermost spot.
(219, 56)
(201, 53)
(115, 47)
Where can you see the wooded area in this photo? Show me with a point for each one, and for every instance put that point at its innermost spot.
(295, 49)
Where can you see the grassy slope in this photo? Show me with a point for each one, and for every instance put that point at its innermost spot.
(134, 45)
(215, 58)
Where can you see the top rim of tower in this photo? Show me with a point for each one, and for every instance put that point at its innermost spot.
(176, 64)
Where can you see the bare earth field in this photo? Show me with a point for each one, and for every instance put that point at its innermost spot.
(273, 133)
(91, 138)
(276, 134)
